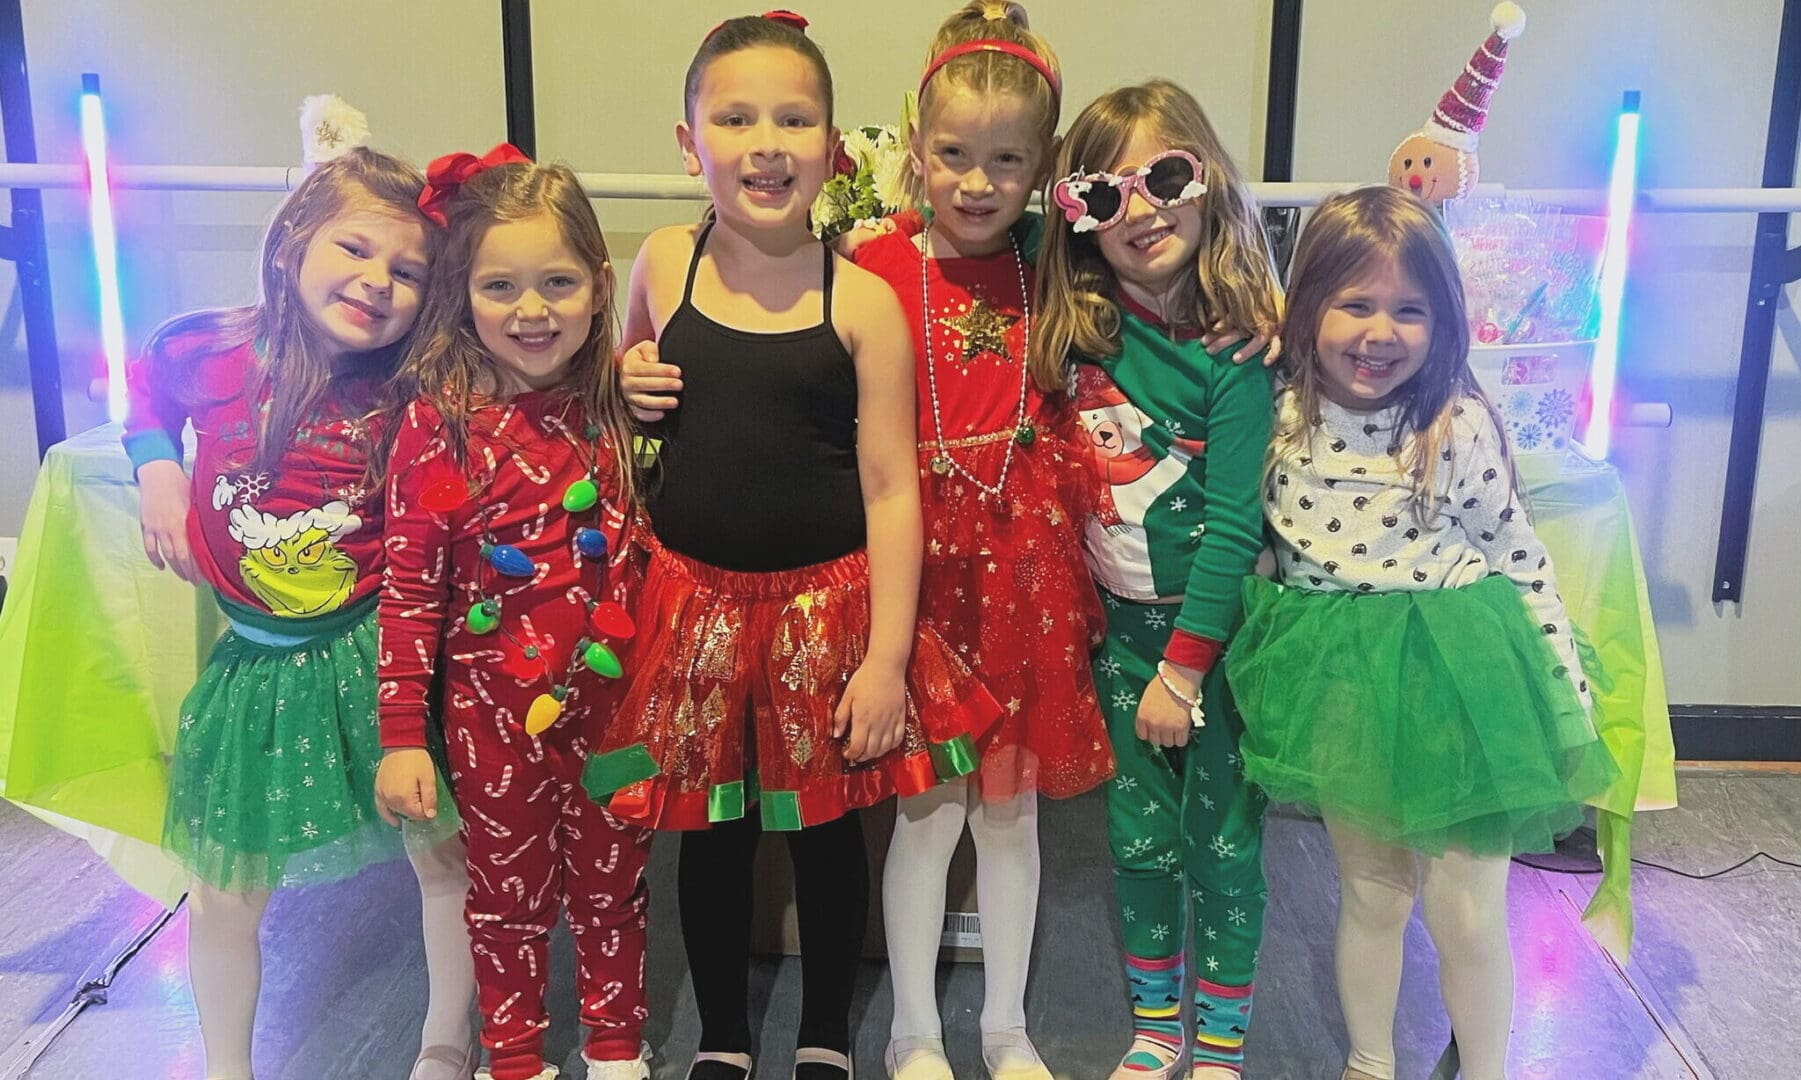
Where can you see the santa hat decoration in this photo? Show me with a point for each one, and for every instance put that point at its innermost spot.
(1457, 122)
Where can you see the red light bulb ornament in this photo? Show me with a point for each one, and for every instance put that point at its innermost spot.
(443, 496)
(609, 620)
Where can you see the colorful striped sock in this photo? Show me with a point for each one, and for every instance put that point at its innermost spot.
(1222, 1014)
(1156, 1012)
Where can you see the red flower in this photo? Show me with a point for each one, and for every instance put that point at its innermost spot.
(842, 163)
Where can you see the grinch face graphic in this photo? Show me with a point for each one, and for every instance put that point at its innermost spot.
(292, 564)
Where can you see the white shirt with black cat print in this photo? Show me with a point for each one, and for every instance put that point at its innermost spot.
(1342, 513)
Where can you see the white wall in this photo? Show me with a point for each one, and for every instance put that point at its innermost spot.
(211, 81)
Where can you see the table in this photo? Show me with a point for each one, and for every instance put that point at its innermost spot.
(1580, 511)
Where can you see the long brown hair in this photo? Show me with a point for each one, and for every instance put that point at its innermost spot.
(1351, 235)
(447, 363)
(1235, 277)
(988, 74)
(295, 375)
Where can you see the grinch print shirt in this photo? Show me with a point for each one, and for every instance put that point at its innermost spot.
(1341, 508)
(286, 547)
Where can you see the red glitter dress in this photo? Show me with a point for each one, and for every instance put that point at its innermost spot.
(1004, 580)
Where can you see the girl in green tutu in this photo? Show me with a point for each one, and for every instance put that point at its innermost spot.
(272, 781)
(1410, 674)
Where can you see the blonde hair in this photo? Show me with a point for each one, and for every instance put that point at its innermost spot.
(1351, 235)
(295, 374)
(988, 73)
(1235, 276)
(448, 365)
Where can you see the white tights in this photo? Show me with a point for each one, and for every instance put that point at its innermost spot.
(926, 830)
(1465, 901)
(225, 961)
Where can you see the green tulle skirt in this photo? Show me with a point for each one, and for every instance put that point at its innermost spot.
(273, 781)
(1434, 720)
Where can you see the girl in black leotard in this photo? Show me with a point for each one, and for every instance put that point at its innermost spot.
(782, 680)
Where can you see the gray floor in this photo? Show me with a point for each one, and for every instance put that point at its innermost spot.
(1714, 988)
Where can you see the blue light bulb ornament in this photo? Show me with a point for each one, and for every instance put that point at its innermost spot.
(509, 560)
(591, 542)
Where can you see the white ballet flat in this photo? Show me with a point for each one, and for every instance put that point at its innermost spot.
(813, 1055)
(917, 1057)
(736, 1061)
(1168, 1072)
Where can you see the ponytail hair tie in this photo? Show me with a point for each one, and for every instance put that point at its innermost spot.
(445, 176)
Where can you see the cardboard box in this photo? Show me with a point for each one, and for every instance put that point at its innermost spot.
(774, 927)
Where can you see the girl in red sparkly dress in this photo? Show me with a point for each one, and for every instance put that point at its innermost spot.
(507, 510)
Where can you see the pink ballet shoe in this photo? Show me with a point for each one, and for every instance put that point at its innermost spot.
(813, 1055)
(444, 1062)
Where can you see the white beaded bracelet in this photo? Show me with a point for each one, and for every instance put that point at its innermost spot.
(1193, 704)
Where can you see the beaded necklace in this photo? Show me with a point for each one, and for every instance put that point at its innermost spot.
(1023, 432)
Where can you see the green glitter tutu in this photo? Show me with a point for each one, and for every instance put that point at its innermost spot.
(273, 781)
(1433, 720)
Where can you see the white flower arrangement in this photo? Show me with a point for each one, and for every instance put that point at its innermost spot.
(868, 181)
(329, 128)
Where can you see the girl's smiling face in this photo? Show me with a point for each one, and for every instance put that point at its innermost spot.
(1151, 247)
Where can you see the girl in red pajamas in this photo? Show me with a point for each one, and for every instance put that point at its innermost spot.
(507, 509)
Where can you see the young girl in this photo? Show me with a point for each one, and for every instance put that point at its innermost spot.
(508, 500)
(1411, 675)
(781, 663)
(272, 781)
(1154, 239)
(1005, 490)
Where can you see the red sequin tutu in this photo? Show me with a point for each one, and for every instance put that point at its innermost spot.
(1005, 583)
(736, 678)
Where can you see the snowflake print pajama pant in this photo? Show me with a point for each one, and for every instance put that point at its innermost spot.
(1186, 831)
(536, 839)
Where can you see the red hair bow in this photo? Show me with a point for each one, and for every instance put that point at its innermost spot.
(789, 17)
(446, 174)
(786, 18)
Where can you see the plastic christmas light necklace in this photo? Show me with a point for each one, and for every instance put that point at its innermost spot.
(604, 619)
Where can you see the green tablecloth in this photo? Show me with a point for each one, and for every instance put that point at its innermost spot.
(1579, 509)
(97, 649)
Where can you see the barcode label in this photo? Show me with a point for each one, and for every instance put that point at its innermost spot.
(962, 930)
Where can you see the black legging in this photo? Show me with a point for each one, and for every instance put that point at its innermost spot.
(831, 889)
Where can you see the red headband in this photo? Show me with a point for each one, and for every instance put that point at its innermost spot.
(1012, 49)
(786, 18)
(446, 174)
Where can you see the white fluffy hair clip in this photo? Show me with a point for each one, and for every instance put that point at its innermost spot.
(329, 128)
